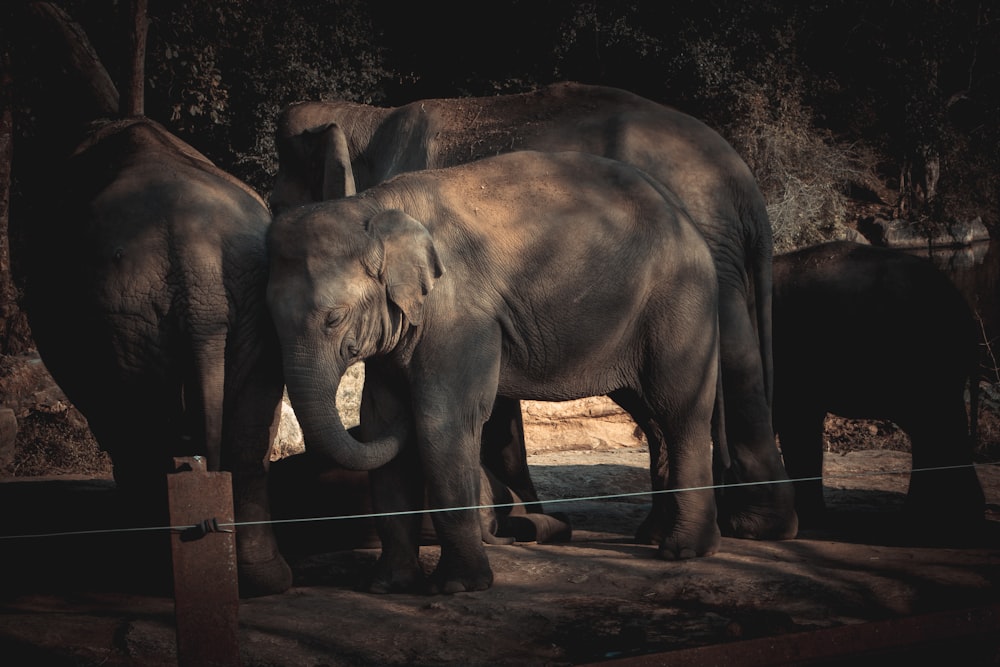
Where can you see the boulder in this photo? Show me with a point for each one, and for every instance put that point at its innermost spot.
(923, 234)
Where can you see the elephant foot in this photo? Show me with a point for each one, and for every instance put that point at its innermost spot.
(389, 578)
(680, 535)
(967, 511)
(491, 538)
(949, 517)
(452, 576)
(681, 545)
(761, 523)
(648, 531)
(941, 497)
(449, 585)
(540, 528)
(764, 512)
(260, 578)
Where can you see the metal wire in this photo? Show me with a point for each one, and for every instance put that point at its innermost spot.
(553, 501)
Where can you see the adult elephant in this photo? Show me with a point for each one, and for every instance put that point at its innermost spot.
(458, 285)
(143, 268)
(145, 283)
(328, 150)
(874, 333)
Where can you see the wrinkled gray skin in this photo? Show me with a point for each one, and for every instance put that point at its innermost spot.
(873, 333)
(145, 294)
(529, 276)
(143, 268)
(331, 149)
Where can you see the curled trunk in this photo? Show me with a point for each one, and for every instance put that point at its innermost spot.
(323, 429)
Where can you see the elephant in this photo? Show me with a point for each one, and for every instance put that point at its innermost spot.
(145, 284)
(873, 333)
(527, 275)
(333, 149)
(143, 272)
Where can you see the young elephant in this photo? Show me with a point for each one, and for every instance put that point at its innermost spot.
(331, 149)
(528, 275)
(873, 333)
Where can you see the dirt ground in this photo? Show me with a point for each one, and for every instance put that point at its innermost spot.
(860, 586)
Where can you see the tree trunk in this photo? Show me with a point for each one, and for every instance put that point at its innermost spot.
(15, 335)
(918, 182)
(134, 90)
(85, 81)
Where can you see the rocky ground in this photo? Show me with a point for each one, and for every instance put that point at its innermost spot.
(860, 585)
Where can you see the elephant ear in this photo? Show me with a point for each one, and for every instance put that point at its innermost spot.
(332, 155)
(409, 263)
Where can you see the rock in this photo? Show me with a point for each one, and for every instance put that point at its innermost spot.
(594, 423)
(289, 440)
(909, 234)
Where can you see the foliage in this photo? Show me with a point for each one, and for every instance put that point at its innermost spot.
(224, 70)
(819, 96)
(914, 79)
(738, 68)
(803, 174)
(218, 72)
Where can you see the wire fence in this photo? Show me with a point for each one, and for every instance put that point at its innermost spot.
(551, 501)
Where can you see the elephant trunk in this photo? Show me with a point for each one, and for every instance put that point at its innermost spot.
(314, 402)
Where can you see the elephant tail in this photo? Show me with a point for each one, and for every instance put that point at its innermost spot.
(204, 394)
(974, 410)
(760, 256)
(722, 458)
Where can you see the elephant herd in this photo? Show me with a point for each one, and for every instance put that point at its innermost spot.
(572, 241)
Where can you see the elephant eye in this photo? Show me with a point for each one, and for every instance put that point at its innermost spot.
(334, 318)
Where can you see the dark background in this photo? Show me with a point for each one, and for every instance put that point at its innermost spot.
(875, 87)
(845, 110)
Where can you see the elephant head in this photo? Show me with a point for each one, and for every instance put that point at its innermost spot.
(341, 291)
(322, 167)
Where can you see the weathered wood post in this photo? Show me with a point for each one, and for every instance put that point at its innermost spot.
(206, 588)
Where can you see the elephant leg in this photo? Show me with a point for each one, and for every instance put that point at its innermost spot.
(513, 521)
(492, 493)
(652, 530)
(944, 487)
(451, 463)
(261, 567)
(682, 519)
(250, 432)
(540, 528)
(141, 496)
(801, 438)
(452, 398)
(142, 439)
(504, 457)
(504, 453)
(765, 508)
(397, 490)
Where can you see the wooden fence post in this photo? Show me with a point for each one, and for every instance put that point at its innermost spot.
(206, 588)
